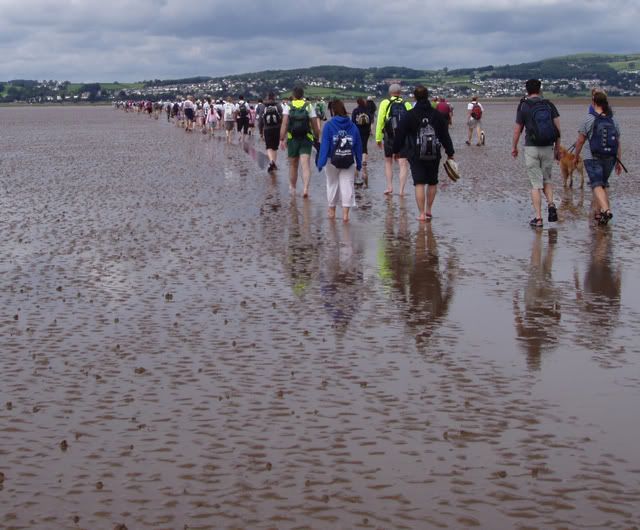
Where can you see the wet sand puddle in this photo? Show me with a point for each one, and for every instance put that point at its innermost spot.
(184, 345)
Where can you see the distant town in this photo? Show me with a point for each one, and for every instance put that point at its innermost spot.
(565, 76)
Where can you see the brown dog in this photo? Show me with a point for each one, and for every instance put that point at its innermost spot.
(569, 164)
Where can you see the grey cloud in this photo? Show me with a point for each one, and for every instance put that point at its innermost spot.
(91, 40)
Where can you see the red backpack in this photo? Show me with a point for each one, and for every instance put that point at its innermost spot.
(476, 111)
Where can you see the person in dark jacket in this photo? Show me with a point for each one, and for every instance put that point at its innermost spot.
(362, 120)
(423, 172)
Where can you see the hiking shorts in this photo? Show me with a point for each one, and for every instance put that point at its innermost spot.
(243, 125)
(539, 163)
(298, 146)
(229, 125)
(272, 138)
(473, 123)
(388, 149)
(424, 173)
(599, 170)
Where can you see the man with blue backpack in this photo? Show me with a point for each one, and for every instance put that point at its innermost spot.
(601, 153)
(541, 120)
(390, 113)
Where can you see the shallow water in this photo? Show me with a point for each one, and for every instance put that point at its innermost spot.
(185, 345)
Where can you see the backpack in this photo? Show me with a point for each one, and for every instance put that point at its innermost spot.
(395, 113)
(603, 140)
(362, 119)
(476, 111)
(271, 116)
(244, 111)
(298, 121)
(176, 108)
(342, 150)
(543, 131)
(444, 108)
(427, 144)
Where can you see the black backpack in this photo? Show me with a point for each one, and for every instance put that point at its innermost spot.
(362, 119)
(395, 113)
(342, 150)
(271, 117)
(244, 111)
(427, 144)
(603, 140)
(543, 131)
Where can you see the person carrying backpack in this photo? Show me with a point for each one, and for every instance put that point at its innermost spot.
(599, 141)
(340, 150)
(243, 116)
(299, 128)
(423, 131)
(541, 120)
(390, 113)
(271, 123)
(362, 120)
(474, 120)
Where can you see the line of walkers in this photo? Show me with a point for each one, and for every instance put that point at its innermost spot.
(414, 135)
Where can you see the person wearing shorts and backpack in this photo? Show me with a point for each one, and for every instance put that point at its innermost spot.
(299, 128)
(390, 113)
(474, 121)
(541, 120)
(599, 142)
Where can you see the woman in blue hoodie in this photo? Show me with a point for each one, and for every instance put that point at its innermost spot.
(340, 147)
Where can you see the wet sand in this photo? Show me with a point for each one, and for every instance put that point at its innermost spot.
(184, 345)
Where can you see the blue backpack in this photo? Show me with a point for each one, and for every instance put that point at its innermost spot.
(543, 131)
(395, 113)
(603, 141)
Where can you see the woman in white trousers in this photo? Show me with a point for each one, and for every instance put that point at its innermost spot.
(340, 149)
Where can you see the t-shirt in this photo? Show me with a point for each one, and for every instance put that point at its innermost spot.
(228, 111)
(310, 108)
(524, 117)
(586, 129)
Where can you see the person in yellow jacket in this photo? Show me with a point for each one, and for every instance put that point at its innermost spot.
(300, 128)
(389, 114)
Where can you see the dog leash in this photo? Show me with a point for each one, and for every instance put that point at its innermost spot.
(621, 164)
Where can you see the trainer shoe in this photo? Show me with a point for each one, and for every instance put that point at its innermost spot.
(553, 213)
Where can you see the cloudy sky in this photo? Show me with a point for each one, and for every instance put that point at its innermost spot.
(127, 40)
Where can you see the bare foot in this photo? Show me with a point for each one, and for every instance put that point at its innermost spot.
(305, 194)
(345, 218)
(292, 190)
(388, 191)
(331, 213)
(421, 217)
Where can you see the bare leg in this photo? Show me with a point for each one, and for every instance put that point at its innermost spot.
(293, 173)
(404, 173)
(345, 214)
(306, 174)
(388, 173)
(548, 193)
(420, 202)
(432, 190)
(601, 198)
(536, 199)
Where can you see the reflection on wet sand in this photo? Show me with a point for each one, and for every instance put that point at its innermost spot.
(537, 323)
(598, 297)
(341, 275)
(425, 284)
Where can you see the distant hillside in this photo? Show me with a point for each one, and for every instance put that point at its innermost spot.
(570, 75)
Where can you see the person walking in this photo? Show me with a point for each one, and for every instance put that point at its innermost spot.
(260, 117)
(475, 110)
(424, 130)
(340, 148)
(541, 120)
(599, 141)
(272, 121)
(390, 113)
(361, 117)
(229, 114)
(299, 128)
